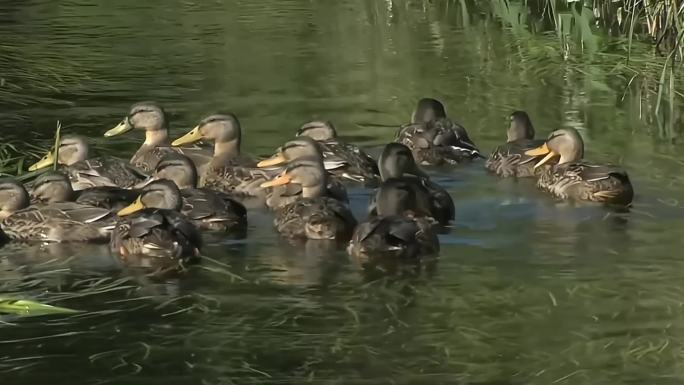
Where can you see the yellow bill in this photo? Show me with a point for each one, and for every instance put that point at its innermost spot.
(120, 128)
(191, 137)
(46, 161)
(272, 161)
(132, 208)
(542, 150)
(279, 181)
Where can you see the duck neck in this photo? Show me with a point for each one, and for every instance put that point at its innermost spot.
(156, 138)
(316, 191)
(224, 152)
(571, 157)
(566, 159)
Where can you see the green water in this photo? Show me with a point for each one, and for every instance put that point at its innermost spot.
(526, 290)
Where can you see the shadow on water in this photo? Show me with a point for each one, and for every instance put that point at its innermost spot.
(525, 290)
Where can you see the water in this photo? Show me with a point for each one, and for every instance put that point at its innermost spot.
(526, 290)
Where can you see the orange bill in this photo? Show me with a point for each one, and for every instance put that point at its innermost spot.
(279, 181)
(541, 150)
(548, 156)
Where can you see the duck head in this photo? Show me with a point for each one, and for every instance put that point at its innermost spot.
(297, 148)
(222, 129)
(177, 168)
(160, 194)
(565, 143)
(52, 187)
(427, 110)
(13, 197)
(521, 127)
(72, 149)
(307, 172)
(147, 116)
(397, 161)
(318, 130)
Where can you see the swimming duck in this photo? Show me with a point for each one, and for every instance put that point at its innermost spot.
(55, 187)
(314, 215)
(356, 164)
(434, 139)
(228, 170)
(153, 225)
(400, 229)
(396, 161)
(572, 179)
(226, 133)
(151, 117)
(510, 160)
(208, 209)
(301, 147)
(57, 222)
(85, 172)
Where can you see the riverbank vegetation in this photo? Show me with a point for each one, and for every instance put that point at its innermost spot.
(639, 43)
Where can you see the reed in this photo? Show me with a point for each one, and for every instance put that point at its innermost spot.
(607, 33)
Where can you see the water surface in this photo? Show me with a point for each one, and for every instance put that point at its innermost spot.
(526, 290)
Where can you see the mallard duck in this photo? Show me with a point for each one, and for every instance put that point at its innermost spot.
(572, 179)
(151, 117)
(398, 230)
(55, 187)
(57, 222)
(84, 171)
(434, 139)
(153, 225)
(314, 215)
(510, 160)
(208, 209)
(301, 147)
(228, 170)
(355, 164)
(226, 133)
(396, 162)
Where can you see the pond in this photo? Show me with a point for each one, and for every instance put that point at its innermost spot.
(526, 290)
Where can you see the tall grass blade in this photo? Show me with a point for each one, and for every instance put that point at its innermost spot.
(55, 162)
(27, 308)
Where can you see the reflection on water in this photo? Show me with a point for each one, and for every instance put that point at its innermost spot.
(526, 290)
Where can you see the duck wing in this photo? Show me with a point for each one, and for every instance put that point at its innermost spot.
(104, 171)
(60, 222)
(211, 209)
(108, 197)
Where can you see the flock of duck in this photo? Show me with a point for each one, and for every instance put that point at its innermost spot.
(157, 203)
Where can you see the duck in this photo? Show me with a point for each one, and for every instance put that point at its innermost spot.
(84, 171)
(55, 187)
(301, 147)
(356, 164)
(207, 209)
(571, 178)
(396, 162)
(55, 222)
(509, 159)
(153, 226)
(229, 170)
(400, 230)
(151, 117)
(314, 215)
(434, 139)
(226, 133)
